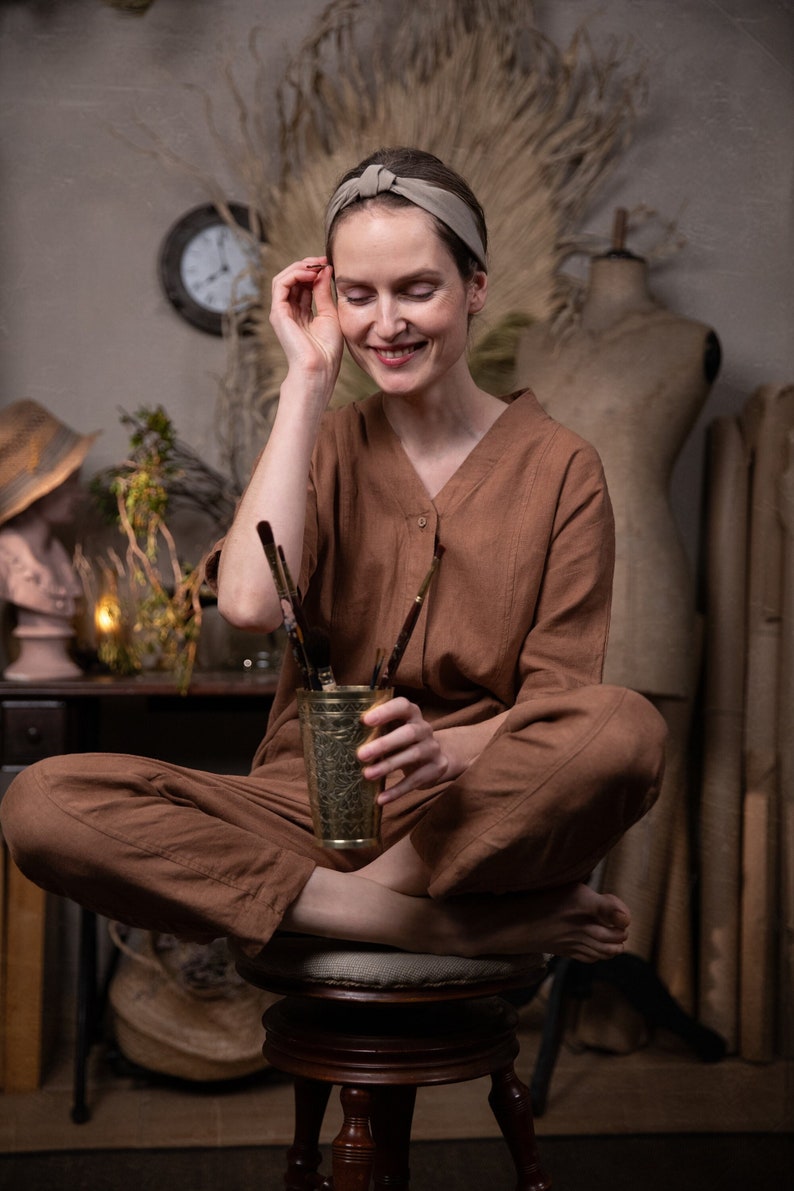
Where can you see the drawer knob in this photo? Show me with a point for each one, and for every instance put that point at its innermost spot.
(33, 734)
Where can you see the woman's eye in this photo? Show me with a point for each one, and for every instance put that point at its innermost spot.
(415, 293)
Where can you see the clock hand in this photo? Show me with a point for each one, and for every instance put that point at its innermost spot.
(209, 280)
(221, 246)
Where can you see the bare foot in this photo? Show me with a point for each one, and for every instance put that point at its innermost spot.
(573, 920)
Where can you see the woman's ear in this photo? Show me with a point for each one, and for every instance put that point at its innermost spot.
(478, 291)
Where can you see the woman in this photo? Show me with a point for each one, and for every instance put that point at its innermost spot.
(510, 770)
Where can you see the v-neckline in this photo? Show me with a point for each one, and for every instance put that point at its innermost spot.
(474, 465)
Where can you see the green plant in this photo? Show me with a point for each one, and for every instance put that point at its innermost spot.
(156, 615)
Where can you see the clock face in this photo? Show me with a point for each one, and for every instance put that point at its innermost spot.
(207, 269)
(216, 269)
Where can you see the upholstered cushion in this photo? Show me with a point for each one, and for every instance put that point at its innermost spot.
(338, 963)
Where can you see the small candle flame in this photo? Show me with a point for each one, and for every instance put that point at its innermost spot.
(107, 615)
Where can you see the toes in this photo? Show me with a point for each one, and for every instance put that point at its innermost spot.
(585, 954)
(590, 953)
(616, 914)
(613, 912)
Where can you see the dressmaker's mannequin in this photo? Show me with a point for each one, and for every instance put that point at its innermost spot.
(631, 377)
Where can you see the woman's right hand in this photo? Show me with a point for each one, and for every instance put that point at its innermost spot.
(303, 316)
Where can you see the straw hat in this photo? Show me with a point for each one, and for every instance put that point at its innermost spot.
(37, 453)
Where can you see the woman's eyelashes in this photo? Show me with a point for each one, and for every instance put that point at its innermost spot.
(415, 294)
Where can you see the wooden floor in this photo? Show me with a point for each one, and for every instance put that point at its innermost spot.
(661, 1088)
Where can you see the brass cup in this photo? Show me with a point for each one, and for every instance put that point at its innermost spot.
(345, 811)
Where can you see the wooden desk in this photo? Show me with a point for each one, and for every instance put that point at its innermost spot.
(142, 715)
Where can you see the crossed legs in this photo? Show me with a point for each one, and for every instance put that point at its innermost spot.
(491, 866)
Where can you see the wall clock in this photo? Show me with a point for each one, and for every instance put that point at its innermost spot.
(203, 266)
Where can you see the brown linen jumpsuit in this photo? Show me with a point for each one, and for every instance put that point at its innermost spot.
(517, 618)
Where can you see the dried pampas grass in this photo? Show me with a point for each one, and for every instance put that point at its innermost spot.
(533, 129)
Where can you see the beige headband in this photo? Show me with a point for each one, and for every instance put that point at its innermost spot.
(447, 207)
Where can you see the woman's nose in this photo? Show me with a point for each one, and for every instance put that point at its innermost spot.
(389, 321)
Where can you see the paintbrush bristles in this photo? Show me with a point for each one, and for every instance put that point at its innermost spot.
(318, 651)
(271, 553)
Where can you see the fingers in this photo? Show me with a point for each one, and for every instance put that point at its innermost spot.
(398, 750)
(412, 730)
(402, 739)
(410, 747)
(295, 285)
(392, 709)
(303, 316)
(301, 274)
(323, 291)
(424, 756)
(418, 779)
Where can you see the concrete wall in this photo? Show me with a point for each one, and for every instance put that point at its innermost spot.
(84, 327)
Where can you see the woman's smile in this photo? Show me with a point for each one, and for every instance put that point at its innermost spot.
(393, 357)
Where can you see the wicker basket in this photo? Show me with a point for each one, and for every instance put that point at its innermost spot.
(181, 1010)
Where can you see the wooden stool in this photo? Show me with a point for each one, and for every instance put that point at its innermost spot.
(381, 1023)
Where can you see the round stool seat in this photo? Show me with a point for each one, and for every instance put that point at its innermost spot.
(336, 969)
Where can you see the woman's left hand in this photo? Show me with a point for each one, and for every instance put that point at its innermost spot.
(410, 745)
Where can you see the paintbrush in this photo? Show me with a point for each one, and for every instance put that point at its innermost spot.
(387, 675)
(294, 631)
(300, 618)
(380, 657)
(318, 650)
(293, 593)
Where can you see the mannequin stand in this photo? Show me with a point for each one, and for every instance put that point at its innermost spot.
(642, 988)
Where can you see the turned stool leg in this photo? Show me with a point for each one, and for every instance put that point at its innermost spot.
(353, 1148)
(391, 1116)
(512, 1106)
(303, 1157)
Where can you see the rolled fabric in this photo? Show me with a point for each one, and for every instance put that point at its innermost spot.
(722, 724)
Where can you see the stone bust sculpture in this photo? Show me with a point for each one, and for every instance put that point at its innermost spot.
(40, 460)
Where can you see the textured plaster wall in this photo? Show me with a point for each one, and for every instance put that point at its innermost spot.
(84, 327)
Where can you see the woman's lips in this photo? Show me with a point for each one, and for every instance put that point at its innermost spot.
(393, 357)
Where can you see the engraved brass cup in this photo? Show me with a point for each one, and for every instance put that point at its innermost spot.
(345, 811)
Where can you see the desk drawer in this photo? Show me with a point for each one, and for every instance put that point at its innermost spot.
(31, 729)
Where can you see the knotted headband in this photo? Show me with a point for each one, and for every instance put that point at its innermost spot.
(447, 207)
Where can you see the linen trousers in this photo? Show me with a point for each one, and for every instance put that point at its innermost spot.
(203, 855)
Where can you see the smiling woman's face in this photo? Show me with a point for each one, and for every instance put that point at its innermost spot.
(403, 306)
